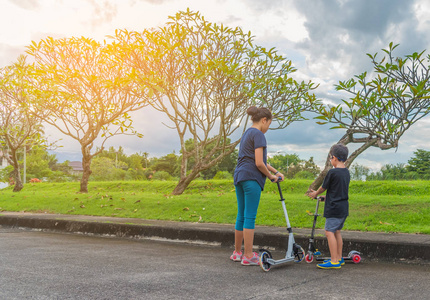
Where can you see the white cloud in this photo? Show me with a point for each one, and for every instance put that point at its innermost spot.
(422, 12)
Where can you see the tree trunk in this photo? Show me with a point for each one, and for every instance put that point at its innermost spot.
(184, 163)
(185, 179)
(319, 180)
(356, 153)
(86, 166)
(16, 174)
(184, 182)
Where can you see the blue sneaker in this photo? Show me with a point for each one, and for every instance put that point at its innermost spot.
(329, 265)
(341, 261)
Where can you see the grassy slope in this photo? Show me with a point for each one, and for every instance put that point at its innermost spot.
(374, 206)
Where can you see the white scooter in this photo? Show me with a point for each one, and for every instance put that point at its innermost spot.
(294, 251)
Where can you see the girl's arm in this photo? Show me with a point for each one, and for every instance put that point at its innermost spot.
(274, 171)
(259, 162)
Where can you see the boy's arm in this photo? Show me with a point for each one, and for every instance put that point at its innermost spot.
(314, 194)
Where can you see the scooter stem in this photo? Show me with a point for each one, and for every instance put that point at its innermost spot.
(315, 219)
(280, 191)
(284, 208)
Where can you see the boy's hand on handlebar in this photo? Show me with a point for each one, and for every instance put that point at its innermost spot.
(312, 194)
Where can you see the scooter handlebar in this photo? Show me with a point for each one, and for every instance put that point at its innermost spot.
(279, 178)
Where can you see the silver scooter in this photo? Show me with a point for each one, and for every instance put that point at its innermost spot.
(294, 251)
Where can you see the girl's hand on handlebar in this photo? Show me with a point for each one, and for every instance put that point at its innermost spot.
(274, 178)
(280, 177)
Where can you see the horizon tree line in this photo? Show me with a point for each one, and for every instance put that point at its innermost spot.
(113, 164)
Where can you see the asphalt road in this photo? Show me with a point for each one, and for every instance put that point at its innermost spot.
(40, 265)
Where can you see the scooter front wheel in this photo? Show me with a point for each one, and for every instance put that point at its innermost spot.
(264, 256)
(309, 258)
(299, 254)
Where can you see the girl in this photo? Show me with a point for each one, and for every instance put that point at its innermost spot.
(249, 178)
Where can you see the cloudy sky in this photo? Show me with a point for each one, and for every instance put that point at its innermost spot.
(326, 40)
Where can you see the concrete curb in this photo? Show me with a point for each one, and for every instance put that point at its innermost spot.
(381, 246)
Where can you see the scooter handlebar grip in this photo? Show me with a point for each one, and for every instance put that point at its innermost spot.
(279, 178)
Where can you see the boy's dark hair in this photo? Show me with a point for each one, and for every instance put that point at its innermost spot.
(340, 151)
(257, 113)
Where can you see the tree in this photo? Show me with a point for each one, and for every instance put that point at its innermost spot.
(420, 162)
(284, 162)
(204, 77)
(87, 92)
(136, 161)
(381, 108)
(227, 163)
(292, 165)
(118, 156)
(104, 169)
(20, 124)
(167, 163)
(358, 171)
(38, 164)
(392, 172)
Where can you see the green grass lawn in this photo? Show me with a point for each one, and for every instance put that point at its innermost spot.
(385, 206)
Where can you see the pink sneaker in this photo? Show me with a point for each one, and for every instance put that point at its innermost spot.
(253, 261)
(236, 256)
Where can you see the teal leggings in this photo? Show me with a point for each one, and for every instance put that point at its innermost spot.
(248, 197)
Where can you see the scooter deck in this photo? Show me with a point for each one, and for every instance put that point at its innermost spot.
(274, 262)
(325, 258)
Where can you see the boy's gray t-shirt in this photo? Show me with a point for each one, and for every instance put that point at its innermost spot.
(337, 184)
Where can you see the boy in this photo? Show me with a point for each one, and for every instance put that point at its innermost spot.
(336, 206)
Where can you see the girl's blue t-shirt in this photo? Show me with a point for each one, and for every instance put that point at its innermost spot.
(246, 168)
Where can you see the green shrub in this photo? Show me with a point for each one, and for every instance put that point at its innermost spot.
(162, 175)
(223, 175)
(304, 175)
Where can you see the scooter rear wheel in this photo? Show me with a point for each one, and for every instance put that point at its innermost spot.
(264, 264)
(356, 258)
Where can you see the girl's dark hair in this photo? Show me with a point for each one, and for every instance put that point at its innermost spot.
(257, 113)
